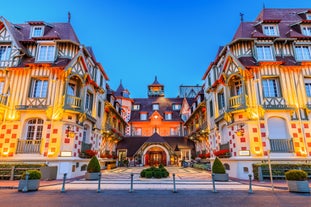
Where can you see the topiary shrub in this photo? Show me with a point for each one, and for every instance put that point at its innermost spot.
(143, 173)
(33, 175)
(298, 175)
(157, 174)
(149, 174)
(93, 166)
(218, 167)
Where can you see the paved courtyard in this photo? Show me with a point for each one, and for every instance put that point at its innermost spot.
(194, 188)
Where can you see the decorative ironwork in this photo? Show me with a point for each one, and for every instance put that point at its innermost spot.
(281, 145)
(28, 146)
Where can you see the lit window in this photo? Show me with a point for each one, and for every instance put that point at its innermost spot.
(264, 52)
(303, 53)
(136, 107)
(46, 53)
(5, 51)
(37, 31)
(34, 129)
(39, 88)
(143, 116)
(306, 30)
(271, 87)
(270, 30)
(155, 106)
(308, 86)
(89, 101)
(168, 116)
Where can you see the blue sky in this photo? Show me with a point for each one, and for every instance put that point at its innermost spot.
(135, 40)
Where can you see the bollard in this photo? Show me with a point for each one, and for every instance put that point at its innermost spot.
(174, 183)
(131, 189)
(250, 190)
(99, 179)
(64, 180)
(213, 179)
(25, 189)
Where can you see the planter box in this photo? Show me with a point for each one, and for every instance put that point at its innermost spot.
(221, 177)
(91, 176)
(298, 186)
(31, 185)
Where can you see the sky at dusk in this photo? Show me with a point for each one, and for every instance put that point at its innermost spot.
(136, 40)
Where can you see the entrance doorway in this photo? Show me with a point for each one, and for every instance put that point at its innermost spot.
(155, 156)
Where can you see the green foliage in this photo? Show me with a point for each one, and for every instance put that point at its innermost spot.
(161, 166)
(160, 172)
(279, 169)
(33, 175)
(218, 167)
(93, 165)
(298, 175)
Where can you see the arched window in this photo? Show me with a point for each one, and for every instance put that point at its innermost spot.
(278, 128)
(34, 129)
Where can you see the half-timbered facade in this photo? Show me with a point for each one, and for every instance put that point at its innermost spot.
(52, 96)
(258, 91)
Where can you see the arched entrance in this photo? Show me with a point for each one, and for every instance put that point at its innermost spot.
(155, 155)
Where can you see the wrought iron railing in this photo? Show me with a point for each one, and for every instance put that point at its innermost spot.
(85, 146)
(281, 145)
(28, 146)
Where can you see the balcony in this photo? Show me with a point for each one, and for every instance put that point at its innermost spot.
(237, 102)
(281, 145)
(274, 103)
(72, 102)
(28, 146)
(3, 99)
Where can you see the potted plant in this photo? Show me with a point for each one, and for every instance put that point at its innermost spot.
(93, 169)
(219, 171)
(297, 181)
(32, 183)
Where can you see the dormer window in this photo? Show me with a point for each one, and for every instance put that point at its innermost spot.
(306, 30)
(176, 107)
(37, 31)
(46, 52)
(308, 16)
(270, 30)
(143, 116)
(168, 116)
(136, 107)
(5, 52)
(155, 106)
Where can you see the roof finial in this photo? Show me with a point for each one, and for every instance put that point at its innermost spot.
(241, 16)
(69, 17)
(156, 78)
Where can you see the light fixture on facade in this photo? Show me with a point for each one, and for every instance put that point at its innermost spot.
(70, 132)
(240, 130)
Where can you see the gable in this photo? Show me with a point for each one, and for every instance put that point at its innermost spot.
(5, 36)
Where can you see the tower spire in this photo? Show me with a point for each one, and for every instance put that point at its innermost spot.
(69, 17)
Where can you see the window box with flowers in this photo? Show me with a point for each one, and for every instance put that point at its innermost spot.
(223, 153)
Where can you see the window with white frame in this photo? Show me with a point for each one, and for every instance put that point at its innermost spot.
(155, 106)
(1, 86)
(308, 86)
(5, 51)
(176, 107)
(308, 16)
(143, 116)
(306, 30)
(72, 89)
(271, 87)
(302, 52)
(236, 88)
(39, 88)
(270, 30)
(46, 53)
(264, 52)
(168, 116)
(89, 101)
(34, 128)
(37, 31)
